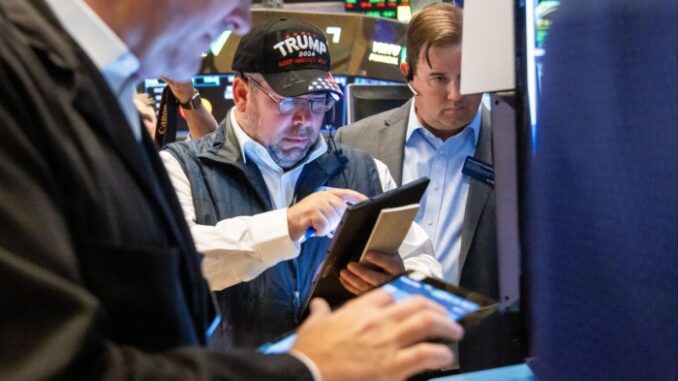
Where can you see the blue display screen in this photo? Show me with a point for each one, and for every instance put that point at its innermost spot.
(401, 289)
(280, 346)
(405, 287)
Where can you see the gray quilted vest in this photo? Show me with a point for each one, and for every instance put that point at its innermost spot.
(223, 186)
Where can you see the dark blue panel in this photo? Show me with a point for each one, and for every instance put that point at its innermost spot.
(602, 229)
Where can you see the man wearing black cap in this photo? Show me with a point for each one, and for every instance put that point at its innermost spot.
(100, 278)
(249, 189)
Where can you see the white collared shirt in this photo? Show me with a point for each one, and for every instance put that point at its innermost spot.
(108, 52)
(444, 203)
(239, 249)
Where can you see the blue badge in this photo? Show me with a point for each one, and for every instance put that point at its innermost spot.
(479, 170)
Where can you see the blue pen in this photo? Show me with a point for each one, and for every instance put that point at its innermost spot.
(310, 232)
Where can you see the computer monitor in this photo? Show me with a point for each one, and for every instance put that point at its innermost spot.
(363, 100)
(216, 91)
(374, 81)
(392, 9)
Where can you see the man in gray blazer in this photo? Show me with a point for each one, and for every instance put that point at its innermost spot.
(443, 135)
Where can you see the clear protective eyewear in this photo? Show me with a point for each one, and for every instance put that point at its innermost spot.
(288, 106)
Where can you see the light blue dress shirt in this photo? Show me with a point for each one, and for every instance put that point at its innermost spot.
(443, 206)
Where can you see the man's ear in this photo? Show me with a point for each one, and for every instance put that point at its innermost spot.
(405, 69)
(240, 94)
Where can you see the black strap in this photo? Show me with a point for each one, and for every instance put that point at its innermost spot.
(166, 128)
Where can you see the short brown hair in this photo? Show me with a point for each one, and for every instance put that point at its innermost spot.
(435, 25)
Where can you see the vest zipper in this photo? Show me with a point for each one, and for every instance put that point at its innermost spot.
(296, 303)
(296, 300)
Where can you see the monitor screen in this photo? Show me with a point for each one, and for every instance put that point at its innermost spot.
(390, 9)
(367, 97)
(374, 81)
(216, 91)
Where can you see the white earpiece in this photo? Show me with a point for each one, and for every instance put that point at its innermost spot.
(412, 89)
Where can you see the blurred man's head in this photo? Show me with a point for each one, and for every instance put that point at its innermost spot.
(169, 36)
(433, 69)
(284, 87)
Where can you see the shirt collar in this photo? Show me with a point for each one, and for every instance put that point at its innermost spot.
(259, 154)
(414, 124)
(100, 43)
(117, 64)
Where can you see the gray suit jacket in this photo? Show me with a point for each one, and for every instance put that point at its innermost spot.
(383, 136)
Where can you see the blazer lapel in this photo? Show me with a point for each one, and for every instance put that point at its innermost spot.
(194, 285)
(391, 144)
(478, 193)
(142, 160)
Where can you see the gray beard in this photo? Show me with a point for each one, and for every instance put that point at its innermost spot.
(280, 158)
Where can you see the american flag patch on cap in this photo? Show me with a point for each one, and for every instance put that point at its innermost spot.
(326, 84)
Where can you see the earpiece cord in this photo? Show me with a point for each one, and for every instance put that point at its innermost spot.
(330, 140)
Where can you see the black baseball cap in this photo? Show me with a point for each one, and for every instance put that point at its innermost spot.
(292, 56)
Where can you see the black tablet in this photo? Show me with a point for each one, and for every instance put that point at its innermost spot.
(352, 235)
(464, 306)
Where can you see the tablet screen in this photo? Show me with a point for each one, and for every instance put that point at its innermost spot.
(405, 287)
(402, 288)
